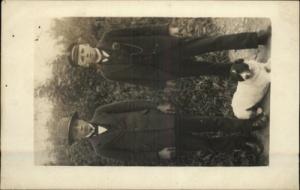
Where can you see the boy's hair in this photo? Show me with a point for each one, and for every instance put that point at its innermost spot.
(73, 54)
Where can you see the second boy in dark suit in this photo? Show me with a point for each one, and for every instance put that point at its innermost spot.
(141, 132)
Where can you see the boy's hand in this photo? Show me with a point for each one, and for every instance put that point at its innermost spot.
(167, 153)
(166, 108)
(174, 31)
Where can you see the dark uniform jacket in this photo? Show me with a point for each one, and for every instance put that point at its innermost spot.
(136, 55)
(136, 131)
(150, 56)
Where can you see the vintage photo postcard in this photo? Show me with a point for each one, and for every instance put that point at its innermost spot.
(155, 91)
(178, 95)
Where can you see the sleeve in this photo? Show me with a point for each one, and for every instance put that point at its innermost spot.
(140, 75)
(140, 31)
(82, 153)
(126, 106)
(151, 83)
(129, 157)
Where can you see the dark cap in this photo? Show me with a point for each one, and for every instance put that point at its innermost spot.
(71, 123)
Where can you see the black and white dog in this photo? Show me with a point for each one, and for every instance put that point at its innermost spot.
(253, 83)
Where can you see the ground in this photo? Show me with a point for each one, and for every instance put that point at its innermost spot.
(261, 54)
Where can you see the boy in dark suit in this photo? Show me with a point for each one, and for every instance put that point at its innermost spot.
(140, 132)
(150, 56)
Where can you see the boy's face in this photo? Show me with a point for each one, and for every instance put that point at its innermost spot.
(87, 55)
(81, 129)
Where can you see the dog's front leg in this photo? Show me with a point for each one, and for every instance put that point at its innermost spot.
(267, 66)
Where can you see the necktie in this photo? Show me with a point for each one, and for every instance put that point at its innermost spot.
(101, 129)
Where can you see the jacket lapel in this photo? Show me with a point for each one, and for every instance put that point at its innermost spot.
(98, 118)
(104, 139)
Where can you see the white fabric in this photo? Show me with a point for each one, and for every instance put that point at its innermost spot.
(104, 60)
(99, 55)
(251, 91)
(92, 132)
(105, 56)
(101, 129)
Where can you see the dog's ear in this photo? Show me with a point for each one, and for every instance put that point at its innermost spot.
(238, 61)
(236, 77)
(235, 74)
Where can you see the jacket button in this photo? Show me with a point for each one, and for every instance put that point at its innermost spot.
(116, 46)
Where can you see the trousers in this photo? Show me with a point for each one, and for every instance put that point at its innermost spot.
(179, 62)
(187, 129)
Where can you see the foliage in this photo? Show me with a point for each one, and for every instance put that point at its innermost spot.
(79, 89)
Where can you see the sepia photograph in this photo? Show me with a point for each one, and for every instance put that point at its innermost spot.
(152, 91)
(149, 94)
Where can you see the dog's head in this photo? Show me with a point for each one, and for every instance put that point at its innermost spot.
(240, 71)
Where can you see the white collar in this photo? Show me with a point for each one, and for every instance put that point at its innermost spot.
(104, 60)
(100, 130)
(105, 53)
(99, 55)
